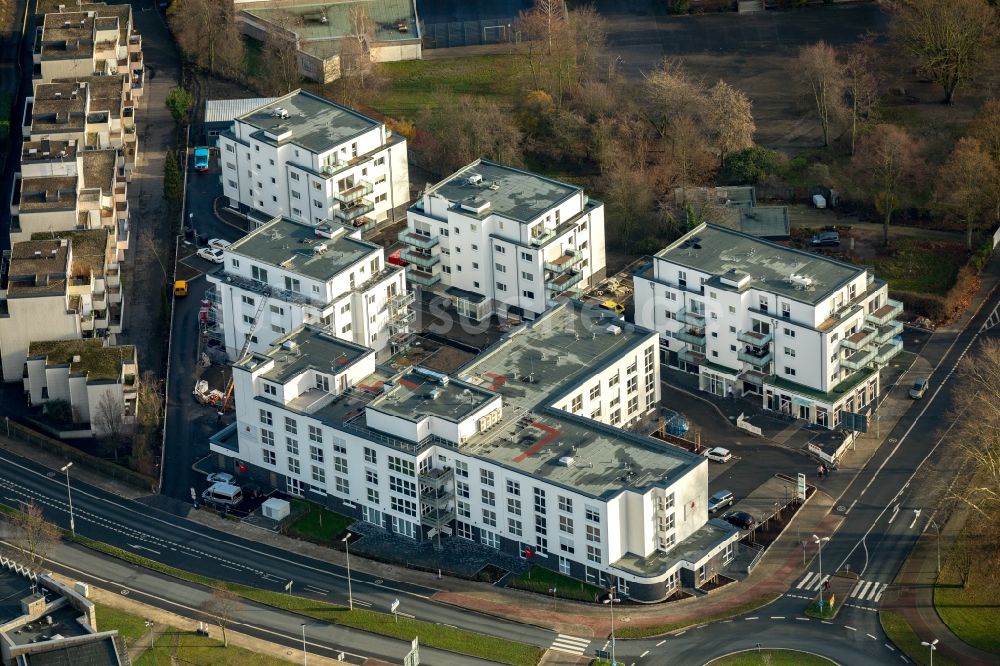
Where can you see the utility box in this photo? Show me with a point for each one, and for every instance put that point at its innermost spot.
(276, 509)
(82, 589)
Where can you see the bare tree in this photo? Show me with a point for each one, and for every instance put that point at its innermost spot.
(477, 128)
(590, 34)
(948, 39)
(986, 128)
(109, 420)
(280, 62)
(967, 184)
(822, 76)
(884, 169)
(688, 160)
(355, 50)
(150, 400)
(34, 535)
(731, 114)
(209, 35)
(222, 606)
(631, 198)
(671, 93)
(862, 85)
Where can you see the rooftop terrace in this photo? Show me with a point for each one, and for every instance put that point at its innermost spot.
(717, 250)
(512, 193)
(389, 16)
(292, 246)
(98, 362)
(91, 250)
(315, 123)
(46, 150)
(37, 267)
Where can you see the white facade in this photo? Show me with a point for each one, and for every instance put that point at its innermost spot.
(804, 332)
(515, 239)
(527, 459)
(310, 160)
(286, 274)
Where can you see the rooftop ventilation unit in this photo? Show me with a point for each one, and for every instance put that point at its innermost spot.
(320, 248)
(566, 461)
(474, 179)
(800, 281)
(438, 377)
(614, 330)
(279, 112)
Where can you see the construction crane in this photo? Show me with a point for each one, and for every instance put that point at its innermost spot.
(226, 403)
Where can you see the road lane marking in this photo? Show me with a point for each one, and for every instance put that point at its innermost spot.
(643, 654)
(317, 589)
(777, 617)
(878, 597)
(230, 567)
(854, 591)
(681, 633)
(890, 647)
(138, 547)
(660, 643)
(570, 644)
(851, 628)
(864, 590)
(804, 619)
(751, 618)
(805, 581)
(871, 637)
(850, 507)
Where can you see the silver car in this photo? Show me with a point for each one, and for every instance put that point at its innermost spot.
(919, 388)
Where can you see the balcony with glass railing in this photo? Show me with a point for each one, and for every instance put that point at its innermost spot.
(426, 278)
(565, 262)
(424, 259)
(419, 240)
(691, 317)
(351, 194)
(858, 340)
(543, 237)
(886, 313)
(755, 338)
(561, 283)
(350, 212)
(888, 351)
(755, 356)
(691, 356)
(858, 359)
(887, 332)
(692, 335)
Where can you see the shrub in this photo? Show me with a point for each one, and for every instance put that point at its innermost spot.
(750, 166)
(179, 101)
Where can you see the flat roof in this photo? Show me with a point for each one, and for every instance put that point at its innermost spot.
(92, 250)
(306, 21)
(696, 546)
(64, 623)
(104, 93)
(315, 123)
(292, 246)
(512, 193)
(717, 250)
(48, 150)
(227, 110)
(101, 650)
(307, 348)
(98, 362)
(13, 588)
(414, 396)
(99, 169)
(48, 193)
(541, 364)
(31, 274)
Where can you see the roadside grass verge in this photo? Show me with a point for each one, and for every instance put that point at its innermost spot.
(772, 658)
(541, 580)
(828, 611)
(968, 603)
(316, 523)
(666, 627)
(432, 635)
(903, 637)
(187, 647)
(129, 626)
(923, 267)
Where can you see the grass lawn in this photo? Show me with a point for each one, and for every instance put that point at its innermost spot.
(923, 267)
(827, 612)
(540, 579)
(186, 647)
(971, 612)
(417, 84)
(667, 627)
(902, 636)
(128, 626)
(771, 658)
(317, 523)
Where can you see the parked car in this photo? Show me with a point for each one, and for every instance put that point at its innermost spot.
(218, 243)
(720, 500)
(211, 254)
(819, 201)
(180, 288)
(740, 519)
(201, 159)
(221, 477)
(824, 239)
(718, 454)
(919, 388)
(223, 494)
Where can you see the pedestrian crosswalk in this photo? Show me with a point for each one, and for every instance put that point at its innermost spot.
(570, 644)
(863, 590)
(993, 321)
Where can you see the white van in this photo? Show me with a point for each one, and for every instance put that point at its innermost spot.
(224, 494)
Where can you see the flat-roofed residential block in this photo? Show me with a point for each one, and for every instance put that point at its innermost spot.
(286, 273)
(805, 333)
(495, 239)
(308, 159)
(527, 447)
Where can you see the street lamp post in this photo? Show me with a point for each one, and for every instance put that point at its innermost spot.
(305, 654)
(611, 601)
(69, 495)
(819, 544)
(347, 549)
(932, 646)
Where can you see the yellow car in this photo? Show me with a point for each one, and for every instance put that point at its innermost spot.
(180, 288)
(614, 306)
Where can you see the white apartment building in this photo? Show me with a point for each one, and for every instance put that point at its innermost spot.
(493, 238)
(59, 288)
(310, 160)
(83, 372)
(82, 40)
(285, 274)
(806, 333)
(520, 450)
(60, 188)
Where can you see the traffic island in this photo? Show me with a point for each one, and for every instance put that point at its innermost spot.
(836, 589)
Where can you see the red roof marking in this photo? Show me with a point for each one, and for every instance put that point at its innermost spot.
(498, 380)
(537, 446)
(413, 386)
